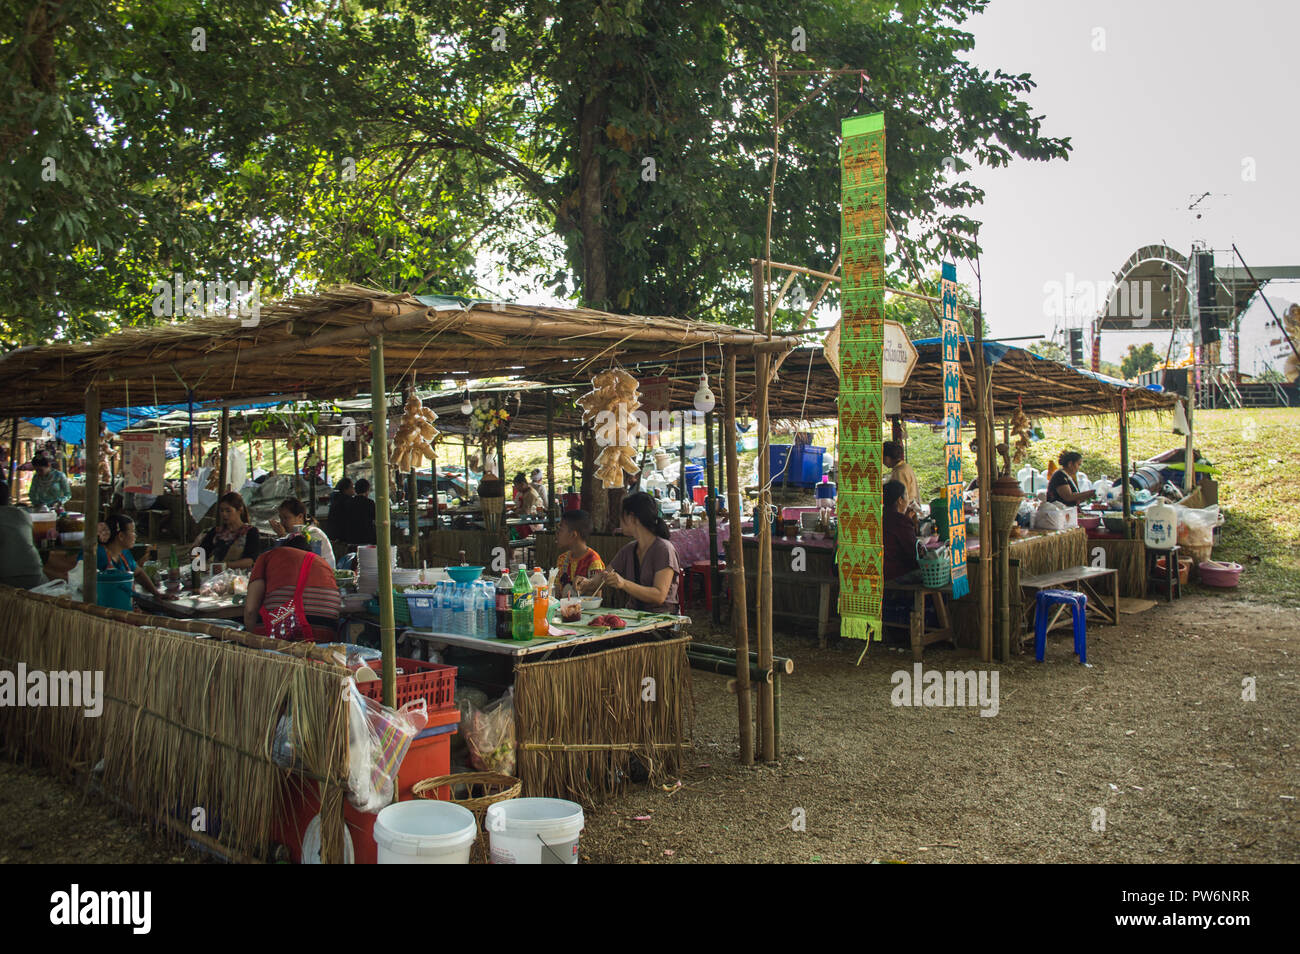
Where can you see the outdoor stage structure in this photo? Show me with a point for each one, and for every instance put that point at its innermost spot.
(1206, 292)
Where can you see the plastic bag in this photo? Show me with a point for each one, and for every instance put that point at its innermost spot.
(1050, 516)
(1196, 527)
(378, 740)
(490, 735)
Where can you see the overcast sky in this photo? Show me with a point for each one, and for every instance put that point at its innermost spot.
(1177, 101)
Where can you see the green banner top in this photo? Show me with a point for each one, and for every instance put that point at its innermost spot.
(859, 125)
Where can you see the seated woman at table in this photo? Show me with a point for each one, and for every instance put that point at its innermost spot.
(291, 573)
(1062, 488)
(576, 561)
(647, 568)
(116, 538)
(293, 519)
(232, 541)
(898, 533)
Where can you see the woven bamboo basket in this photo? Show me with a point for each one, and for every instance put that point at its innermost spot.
(475, 791)
(493, 507)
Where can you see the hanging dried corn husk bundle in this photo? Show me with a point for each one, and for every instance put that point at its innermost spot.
(1023, 430)
(413, 442)
(608, 407)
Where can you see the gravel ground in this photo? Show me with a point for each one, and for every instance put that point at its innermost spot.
(1156, 734)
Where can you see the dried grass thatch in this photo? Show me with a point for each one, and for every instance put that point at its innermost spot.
(187, 723)
(581, 719)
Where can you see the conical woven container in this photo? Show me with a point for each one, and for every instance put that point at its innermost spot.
(1006, 499)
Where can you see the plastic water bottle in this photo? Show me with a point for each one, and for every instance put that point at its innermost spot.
(486, 610)
(444, 605)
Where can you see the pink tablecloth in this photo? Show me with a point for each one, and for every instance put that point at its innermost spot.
(692, 545)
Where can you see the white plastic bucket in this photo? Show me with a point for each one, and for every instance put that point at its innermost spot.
(311, 844)
(534, 831)
(424, 832)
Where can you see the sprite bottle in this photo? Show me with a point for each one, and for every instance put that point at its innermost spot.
(521, 606)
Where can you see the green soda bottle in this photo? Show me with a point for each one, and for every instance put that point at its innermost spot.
(521, 606)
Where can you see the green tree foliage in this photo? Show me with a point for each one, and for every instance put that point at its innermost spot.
(620, 151)
(1138, 360)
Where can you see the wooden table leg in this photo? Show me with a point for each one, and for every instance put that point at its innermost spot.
(917, 625)
(824, 615)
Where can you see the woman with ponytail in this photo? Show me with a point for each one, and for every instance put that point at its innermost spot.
(647, 568)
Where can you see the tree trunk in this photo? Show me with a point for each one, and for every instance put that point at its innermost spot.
(591, 125)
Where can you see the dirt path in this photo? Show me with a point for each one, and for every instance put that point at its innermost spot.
(1156, 734)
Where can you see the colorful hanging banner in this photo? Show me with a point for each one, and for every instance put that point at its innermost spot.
(952, 430)
(859, 549)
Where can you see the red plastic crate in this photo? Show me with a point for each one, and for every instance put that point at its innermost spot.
(432, 682)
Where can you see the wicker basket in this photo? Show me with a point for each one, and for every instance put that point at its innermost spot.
(935, 569)
(475, 791)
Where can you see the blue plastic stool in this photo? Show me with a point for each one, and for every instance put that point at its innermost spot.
(1078, 603)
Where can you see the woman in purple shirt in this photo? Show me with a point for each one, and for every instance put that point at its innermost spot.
(647, 568)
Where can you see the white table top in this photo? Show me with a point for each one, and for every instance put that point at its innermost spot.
(510, 647)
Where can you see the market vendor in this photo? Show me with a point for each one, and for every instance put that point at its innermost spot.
(293, 519)
(1063, 487)
(578, 565)
(20, 561)
(898, 533)
(526, 499)
(647, 568)
(113, 552)
(901, 470)
(50, 487)
(362, 516)
(292, 574)
(232, 541)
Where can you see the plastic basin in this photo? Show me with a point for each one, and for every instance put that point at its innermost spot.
(464, 574)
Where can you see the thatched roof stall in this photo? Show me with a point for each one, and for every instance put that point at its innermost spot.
(317, 345)
(335, 344)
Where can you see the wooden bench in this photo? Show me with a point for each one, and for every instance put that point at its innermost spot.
(920, 636)
(1088, 580)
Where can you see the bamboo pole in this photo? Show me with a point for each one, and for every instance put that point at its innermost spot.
(681, 456)
(223, 453)
(90, 539)
(780, 664)
(711, 510)
(383, 520)
(1124, 464)
(13, 461)
(736, 566)
(984, 467)
(763, 526)
(413, 502)
(550, 460)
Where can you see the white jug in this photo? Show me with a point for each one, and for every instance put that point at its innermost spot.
(1161, 526)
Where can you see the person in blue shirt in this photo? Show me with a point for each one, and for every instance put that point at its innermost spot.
(49, 487)
(116, 538)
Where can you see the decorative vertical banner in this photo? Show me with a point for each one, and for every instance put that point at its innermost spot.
(952, 430)
(859, 549)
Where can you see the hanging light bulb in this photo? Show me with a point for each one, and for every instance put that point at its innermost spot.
(466, 407)
(704, 401)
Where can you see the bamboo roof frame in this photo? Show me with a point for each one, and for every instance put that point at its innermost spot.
(317, 345)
